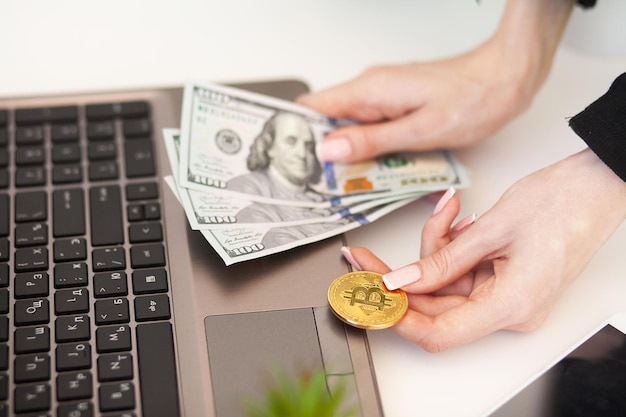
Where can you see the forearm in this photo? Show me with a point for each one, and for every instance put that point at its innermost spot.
(527, 39)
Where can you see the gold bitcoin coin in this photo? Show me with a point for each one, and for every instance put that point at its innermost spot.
(362, 300)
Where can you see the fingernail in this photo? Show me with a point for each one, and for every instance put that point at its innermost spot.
(467, 221)
(334, 149)
(444, 200)
(348, 255)
(401, 277)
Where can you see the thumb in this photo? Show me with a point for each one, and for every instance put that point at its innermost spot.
(366, 141)
(441, 268)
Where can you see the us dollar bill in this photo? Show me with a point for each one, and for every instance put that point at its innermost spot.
(238, 244)
(211, 210)
(259, 148)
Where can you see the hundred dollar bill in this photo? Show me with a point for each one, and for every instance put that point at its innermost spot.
(260, 148)
(211, 210)
(238, 244)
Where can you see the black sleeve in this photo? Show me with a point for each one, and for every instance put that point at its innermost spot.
(602, 126)
(585, 4)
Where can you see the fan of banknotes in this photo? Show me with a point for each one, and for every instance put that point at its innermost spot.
(246, 172)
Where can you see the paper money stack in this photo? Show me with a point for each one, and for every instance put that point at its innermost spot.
(245, 170)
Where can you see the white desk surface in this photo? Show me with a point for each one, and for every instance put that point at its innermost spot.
(57, 46)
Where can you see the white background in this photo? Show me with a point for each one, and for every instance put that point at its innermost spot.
(59, 46)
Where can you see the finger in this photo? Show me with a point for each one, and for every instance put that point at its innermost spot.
(433, 305)
(363, 259)
(468, 321)
(354, 143)
(462, 225)
(447, 264)
(351, 100)
(436, 230)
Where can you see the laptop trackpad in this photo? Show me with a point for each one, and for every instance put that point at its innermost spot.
(246, 351)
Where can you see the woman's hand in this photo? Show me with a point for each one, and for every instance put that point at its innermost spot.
(506, 270)
(447, 103)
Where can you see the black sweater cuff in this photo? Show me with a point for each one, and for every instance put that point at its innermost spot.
(602, 126)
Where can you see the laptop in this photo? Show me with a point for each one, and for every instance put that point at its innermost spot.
(110, 305)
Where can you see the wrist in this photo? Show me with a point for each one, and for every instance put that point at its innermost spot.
(525, 43)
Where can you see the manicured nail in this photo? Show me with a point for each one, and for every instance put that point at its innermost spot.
(466, 222)
(334, 149)
(348, 255)
(401, 277)
(444, 200)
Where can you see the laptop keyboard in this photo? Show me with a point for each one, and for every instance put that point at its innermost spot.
(85, 312)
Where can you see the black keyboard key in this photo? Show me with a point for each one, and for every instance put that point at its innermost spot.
(100, 111)
(32, 368)
(143, 191)
(31, 259)
(157, 370)
(63, 114)
(31, 284)
(5, 179)
(4, 136)
(32, 339)
(136, 128)
(146, 256)
(134, 212)
(70, 249)
(115, 367)
(65, 133)
(108, 259)
(29, 398)
(31, 311)
(112, 311)
(31, 234)
(65, 153)
(76, 409)
(103, 170)
(30, 155)
(105, 202)
(134, 109)
(113, 339)
(31, 206)
(4, 392)
(32, 135)
(101, 130)
(4, 157)
(30, 176)
(4, 337)
(71, 275)
(68, 212)
(4, 301)
(118, 396)
(4, 273)
(4, 350)
(67, 174)
(101, 150)
(4, 117)
(72, 329)
(71, 301)
(149, 281)
(145, 232)
(73, 356)
(4, 215)
(139, 158)
(74, 385)
(46, 115)
(152, 307)
(152, 211)
(110, 284)
(4, 249)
